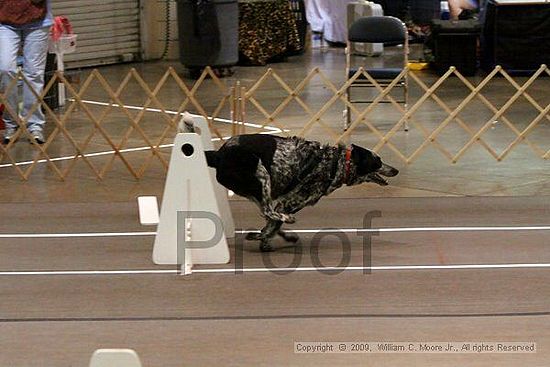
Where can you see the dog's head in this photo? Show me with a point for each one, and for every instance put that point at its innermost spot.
(369, 167)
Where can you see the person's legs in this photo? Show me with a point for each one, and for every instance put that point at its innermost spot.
(35, 49)
(10, 41)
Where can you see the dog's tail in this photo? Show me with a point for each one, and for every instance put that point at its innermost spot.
(186, 123)
(212, 158)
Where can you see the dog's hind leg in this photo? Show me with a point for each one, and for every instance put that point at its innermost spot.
(271, 228)
(267, 205)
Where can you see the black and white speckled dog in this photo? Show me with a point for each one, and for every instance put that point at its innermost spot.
(283, 175)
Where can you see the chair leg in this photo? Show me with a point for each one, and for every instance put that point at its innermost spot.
(406, 125)
(345, 123)
(346, 113)
(406, 99)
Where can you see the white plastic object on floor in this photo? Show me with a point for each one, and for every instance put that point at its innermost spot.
(115, 358)
(189, 188)
(148, 210)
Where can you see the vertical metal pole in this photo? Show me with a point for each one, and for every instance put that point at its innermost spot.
(232, 108)
(243, 110)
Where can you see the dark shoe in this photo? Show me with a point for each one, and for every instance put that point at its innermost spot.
(9, 135)
(37, 137)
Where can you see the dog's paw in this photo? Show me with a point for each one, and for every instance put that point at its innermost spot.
(265, 247)
(253, 236)
(289, 237)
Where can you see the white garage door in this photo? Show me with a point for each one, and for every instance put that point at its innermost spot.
(108, 30)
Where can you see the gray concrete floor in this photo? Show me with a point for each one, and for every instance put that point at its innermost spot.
(522, 172)
(254, 319)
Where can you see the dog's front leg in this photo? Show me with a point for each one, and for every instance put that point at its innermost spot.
(293, 201)
(267, 206)
(288, 236)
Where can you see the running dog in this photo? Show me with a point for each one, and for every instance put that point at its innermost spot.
(284, 175)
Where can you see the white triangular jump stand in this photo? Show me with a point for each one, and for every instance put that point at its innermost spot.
(201, 127)
(191, 188)
(115, 358)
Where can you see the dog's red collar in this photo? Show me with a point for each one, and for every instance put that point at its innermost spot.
(348, 163)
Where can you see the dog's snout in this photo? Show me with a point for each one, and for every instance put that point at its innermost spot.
(388, 170)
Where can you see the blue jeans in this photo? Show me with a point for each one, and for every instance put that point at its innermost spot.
(34, 43)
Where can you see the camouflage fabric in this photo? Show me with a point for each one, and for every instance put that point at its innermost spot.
(267, 29)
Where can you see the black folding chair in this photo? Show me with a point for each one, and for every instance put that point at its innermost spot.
(376, 29)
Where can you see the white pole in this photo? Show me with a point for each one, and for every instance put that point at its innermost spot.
(61, 86)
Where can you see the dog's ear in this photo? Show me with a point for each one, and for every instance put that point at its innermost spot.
(365, 160)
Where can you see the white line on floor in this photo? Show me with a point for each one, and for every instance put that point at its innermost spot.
(381, 268)
(271, 130)
(90, 272)
(321, 230)
(73, 235)
(140, 108)
(267, 270)
(88, 155)
(107, 152)
(412, 229)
